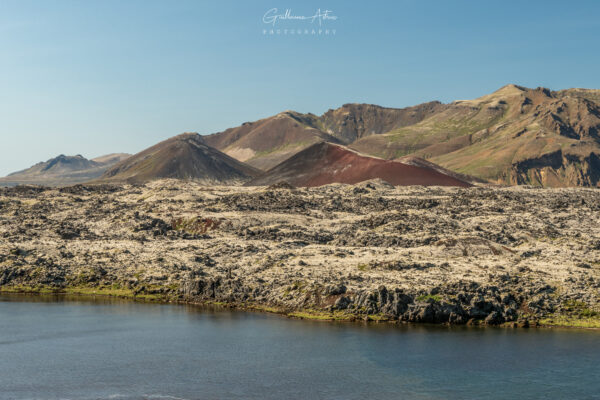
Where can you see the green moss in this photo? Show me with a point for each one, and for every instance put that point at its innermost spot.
(321, 315)
(363, 267)
(580, 309)
(114, 290)
(29, 289)
(103, 291)
(574, 314)
(573, 322)
(378, 317)
(433, 297)
(217, 303)
(297, 286)
(269, 309)
(195, 225)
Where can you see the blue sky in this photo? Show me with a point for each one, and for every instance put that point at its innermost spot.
(95, 77)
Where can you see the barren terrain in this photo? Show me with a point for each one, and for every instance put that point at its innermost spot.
(515, 255)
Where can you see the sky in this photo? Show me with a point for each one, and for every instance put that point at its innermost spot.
(94, 77)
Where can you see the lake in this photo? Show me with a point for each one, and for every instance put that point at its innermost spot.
(54, 347)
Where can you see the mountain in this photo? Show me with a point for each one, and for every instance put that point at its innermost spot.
(63, 170)
(185, 156)
(324, 163)
(515, 135)
(267, 142)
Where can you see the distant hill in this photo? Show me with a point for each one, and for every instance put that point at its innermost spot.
(515, 135)
(324, 163)
(63, 170)
(185, 156)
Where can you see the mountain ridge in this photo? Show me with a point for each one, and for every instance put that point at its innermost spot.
(514, 135)
(63, 170)
(267, 142)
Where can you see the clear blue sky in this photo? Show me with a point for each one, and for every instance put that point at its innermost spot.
(95, 77)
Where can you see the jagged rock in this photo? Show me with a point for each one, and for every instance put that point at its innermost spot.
(494, 318)
(335, 289)
(342, 303)
(415, 254)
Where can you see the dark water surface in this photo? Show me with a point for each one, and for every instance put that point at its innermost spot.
(109, 349)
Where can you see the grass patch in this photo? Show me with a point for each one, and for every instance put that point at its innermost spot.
(430, 297)
(269, 309)
(580, 309)
(363, 267)
(575, 314)
(29, 289)
(195, 225)
(217, 303)
(568, 321)
(321, 315)
(110, 291)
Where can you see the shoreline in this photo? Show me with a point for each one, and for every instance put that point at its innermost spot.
(307, 314)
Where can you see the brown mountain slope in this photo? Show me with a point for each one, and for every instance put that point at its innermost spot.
(324, 163)
(111, 158)
(267, 142)
(354, 121)
(589, 94)
(63, 170)
(420, 162)
(515, 135)
(185, 156)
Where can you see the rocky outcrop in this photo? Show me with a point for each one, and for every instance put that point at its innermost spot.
(556, 169)
(354, 121)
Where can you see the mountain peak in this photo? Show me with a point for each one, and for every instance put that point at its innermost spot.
(511, 88)
(187, 135)
(185, 156)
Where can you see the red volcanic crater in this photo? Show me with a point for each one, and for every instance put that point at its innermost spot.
(324, 163)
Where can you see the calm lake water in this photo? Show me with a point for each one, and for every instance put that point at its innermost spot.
(110, 349)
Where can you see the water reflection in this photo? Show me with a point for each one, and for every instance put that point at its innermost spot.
(56, 346)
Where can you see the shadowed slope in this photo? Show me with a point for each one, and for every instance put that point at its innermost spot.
(325, 163)
(185, 156)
